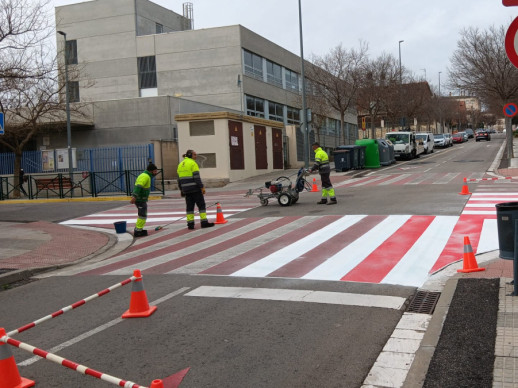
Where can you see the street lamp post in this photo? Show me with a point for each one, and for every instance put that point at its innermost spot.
(67, 107)
(304, 113)
(440, 113)
(400, 76)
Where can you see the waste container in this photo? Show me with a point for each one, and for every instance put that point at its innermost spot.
(353, 155)
(384, 153)
(372, 156)
(506, 215)
(342, 160)
(391, 151)
(120, 226)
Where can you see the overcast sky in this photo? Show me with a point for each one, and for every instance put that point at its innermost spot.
(429, 28)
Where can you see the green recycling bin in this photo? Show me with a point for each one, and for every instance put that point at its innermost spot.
(372, 155)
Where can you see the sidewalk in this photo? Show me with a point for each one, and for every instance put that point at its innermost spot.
(27, 249)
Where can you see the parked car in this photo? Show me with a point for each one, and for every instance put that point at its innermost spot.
(448, 137)
(440, 140)
(482, 135)
(458, 137)
(470, 133)
(428, 141)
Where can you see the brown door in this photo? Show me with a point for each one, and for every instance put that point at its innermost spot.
(261, 156)
(277, 148)
(237, 157)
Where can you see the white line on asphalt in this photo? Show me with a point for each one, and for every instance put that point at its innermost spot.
(98, 329)
(325, 297)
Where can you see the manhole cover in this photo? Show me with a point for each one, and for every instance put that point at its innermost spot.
(424, 302)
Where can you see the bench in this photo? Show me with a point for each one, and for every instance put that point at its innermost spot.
(60, 188)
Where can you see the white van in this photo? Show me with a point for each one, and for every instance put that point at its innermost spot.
(427, 139)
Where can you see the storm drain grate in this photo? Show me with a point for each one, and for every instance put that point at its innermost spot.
(423, 302)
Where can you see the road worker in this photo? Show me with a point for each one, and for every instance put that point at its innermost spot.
(324, 169)
(140, 196)
(191, 187)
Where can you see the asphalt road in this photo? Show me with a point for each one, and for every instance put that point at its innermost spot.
(227, 341)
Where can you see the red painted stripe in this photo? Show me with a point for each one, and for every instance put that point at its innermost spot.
(467, 225)
(203, 237)
(93, 372)
(383, 259)
(103, 292)
(57, 313)
(310, 260)
(79, 303)
(40, 352)
(26, 327)
(203, 253)
(14, 342)
(236, 263)
(156, 240)
(70, 364)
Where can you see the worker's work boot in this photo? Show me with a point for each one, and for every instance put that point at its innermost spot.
(190, 225)
(139, 233)
(332, 201)
(323, 201)
(206, 224)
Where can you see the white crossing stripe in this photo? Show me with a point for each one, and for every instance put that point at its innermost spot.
(326, 297)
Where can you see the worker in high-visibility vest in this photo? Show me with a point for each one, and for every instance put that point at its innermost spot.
(191, 187)
(140, 196)
(324, 169)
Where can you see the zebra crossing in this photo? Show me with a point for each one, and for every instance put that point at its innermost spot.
(385, 249)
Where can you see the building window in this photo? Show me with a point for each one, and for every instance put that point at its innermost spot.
(292, 80)
(253, 65)
(159, 29)
(275, 111)
(71, 52)
(146, 72)
(273, 73)
(293, 116)
(201, 128)
(73, 91)
(254, 106)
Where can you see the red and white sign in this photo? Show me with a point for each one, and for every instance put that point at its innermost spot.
(510, 3)
(511, 46)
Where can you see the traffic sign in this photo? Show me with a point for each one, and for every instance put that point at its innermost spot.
(1, 123)
(511, 43)
(510, 109)
(509, 3)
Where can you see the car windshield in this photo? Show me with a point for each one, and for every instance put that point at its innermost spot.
(438, 137)
(398, 138)
(421, 137)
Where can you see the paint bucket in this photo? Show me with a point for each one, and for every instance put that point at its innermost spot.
(120, 226)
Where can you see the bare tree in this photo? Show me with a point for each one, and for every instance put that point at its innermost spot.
(379, 77)
(31, 96)
(480, 66)
(337, 79)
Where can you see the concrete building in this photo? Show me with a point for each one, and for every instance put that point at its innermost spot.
(140, 65)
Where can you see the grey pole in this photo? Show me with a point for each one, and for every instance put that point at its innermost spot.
(304, 109)
(67, 104)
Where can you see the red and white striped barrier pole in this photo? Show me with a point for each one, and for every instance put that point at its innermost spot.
(488, 179)
(74, 366)
(72, 306)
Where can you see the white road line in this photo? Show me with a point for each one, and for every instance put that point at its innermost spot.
(283, 256)
(344, 261)
(488, 237)
(397, 178)
(98, 329)
(414, 267)
(325, 297)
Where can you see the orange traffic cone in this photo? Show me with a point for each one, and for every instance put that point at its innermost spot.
(219, 216)
(465, 189)
(157, 384)
(470, 263)
(139, 306)
(314, 188)
(8, 369)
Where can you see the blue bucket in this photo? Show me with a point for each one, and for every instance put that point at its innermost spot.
(120, 226)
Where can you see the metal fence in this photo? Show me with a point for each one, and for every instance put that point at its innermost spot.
(97, 171)
(84, 184)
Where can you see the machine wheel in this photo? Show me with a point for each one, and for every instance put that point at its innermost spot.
(284, 200)
(264, 202)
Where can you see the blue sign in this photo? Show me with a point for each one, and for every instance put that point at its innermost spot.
(510, 109)
(1, 123)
